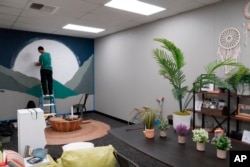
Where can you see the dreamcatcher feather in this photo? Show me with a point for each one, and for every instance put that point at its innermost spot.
(246, 12)
(229, 46)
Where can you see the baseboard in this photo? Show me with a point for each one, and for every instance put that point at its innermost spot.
(112, 117)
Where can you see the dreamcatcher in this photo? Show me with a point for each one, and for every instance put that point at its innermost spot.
(246, 13)
(229, 46)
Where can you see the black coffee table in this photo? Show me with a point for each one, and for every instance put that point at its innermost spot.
(169, 151)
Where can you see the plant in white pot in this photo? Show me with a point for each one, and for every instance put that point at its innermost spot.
(171, 61)
(149, 117)
(163, 126)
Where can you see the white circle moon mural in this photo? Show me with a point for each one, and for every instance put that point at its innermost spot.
(64, 61)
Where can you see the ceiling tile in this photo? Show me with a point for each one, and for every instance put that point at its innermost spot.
(9, 10)
(16, 14)
(6, 17)
(14, 3)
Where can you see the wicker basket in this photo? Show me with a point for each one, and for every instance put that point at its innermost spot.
(62, 125)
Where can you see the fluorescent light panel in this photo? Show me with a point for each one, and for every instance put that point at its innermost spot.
(83, 28)
(135, 6)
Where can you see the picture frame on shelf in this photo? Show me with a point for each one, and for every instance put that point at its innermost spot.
(246, 136)
(244, 111)
(209, 86)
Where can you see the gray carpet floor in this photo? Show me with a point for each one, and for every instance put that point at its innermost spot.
(139, 157)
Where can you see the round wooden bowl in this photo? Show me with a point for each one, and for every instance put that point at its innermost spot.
(62, 125)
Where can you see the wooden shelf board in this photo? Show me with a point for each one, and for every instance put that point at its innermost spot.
(241, 118)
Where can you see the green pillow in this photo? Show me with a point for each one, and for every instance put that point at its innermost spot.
(98, 156)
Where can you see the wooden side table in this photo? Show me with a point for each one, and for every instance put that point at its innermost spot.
(62, 125)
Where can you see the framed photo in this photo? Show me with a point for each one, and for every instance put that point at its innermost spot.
(244, 110)
(246, 136)
(208, 86)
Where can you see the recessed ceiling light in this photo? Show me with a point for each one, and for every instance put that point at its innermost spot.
(83, 28)
(135, 6)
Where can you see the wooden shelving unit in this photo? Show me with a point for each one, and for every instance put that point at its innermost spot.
(219, 116)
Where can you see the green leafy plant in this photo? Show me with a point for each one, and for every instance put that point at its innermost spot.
(163, 125)
(171, 62)
(238, 77)
(200, 135)
(149, 117)
(222, 142)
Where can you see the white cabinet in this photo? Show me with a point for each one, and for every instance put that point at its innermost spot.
(31, 125)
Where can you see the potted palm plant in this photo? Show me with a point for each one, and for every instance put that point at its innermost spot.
(240, 80)
(163, 127)
(149, 117)
(171, 61)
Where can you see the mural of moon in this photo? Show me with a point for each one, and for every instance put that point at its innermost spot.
(64, 61)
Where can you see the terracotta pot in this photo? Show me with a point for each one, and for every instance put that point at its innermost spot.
(181, 139)
(200, 146)
(149, 133)
(222, 154)
(163, 133)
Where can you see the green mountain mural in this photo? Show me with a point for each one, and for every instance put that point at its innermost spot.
(60, 91)
(15, 81)
(83, 80)
(22, 79)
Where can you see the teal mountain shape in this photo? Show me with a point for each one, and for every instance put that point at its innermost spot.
(10, 83)
(20, 77)
(15, 81)
(83, 80)
(60, 91)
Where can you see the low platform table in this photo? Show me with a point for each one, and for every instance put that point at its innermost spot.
(169, 151)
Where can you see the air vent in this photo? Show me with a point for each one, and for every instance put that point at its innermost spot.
(43, 8)
(36, 6)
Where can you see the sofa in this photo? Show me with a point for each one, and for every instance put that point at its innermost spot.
(101, 156)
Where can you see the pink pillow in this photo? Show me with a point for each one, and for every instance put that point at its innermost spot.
(14, 158)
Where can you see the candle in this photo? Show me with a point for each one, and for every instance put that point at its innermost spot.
(72, 112)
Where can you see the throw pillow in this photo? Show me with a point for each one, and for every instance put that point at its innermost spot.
(98, 156)
(14, 159)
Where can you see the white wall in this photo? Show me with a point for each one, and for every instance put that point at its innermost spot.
(126, 75)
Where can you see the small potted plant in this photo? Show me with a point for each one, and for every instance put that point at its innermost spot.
(163, 127)
(200, 136)
(182, 131)
(223, 144)
(149, 117)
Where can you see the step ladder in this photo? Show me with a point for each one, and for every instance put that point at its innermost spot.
(48, 101)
